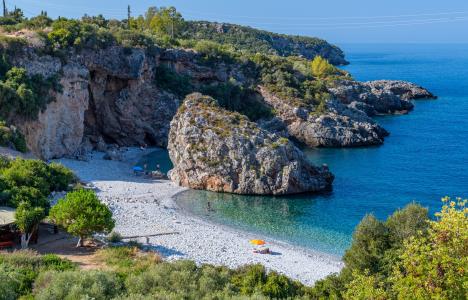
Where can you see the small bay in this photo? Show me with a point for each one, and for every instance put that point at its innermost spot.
(424, 158)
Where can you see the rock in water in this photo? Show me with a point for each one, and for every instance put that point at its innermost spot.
(339, 126)
(383, 96)
(218, 150)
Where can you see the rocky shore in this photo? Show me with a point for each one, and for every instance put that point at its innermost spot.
(145, 207)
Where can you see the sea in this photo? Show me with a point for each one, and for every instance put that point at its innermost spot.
(424, 159)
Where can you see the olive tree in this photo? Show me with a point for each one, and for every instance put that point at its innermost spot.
(82, 214)
(27, 220)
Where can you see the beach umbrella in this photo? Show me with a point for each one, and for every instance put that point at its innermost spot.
(137, 169)
(258, 242)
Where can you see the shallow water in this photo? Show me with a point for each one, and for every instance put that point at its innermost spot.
(424, 158)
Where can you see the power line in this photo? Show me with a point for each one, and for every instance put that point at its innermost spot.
(192, 13)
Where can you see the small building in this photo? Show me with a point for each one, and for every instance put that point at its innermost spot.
(8, 232)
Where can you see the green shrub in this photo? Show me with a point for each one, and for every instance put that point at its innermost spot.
(168, 79)
(25, 95)
(23, 267)
(12, 137)
(370, 241)
(114, 237)
(97, 285)
(32, 181)
(61, 177)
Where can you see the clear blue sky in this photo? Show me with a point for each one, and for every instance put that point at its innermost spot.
(339, 21)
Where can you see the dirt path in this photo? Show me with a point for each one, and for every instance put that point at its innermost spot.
(64, 245)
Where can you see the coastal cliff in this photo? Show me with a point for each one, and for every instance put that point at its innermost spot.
(128, 97)
(217, 150)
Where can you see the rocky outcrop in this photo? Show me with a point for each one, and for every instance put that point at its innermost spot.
(405, 90)
(114, 96)
(217, 150)
(58, 130)
(339, 126)
(127, 107)
(378, 97)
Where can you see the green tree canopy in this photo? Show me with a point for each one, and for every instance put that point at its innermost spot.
(82, 214)
(27, 220)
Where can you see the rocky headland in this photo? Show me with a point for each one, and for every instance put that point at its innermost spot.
(119, 96)
(217, 150)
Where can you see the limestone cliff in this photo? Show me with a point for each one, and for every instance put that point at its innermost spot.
(115, 96)
(217, 150)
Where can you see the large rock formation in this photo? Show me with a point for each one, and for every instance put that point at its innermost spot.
(380, 96)
(222, 151)
(127, 107)
(114, 96)
(339, 126)
(107, 96)
(58, 130)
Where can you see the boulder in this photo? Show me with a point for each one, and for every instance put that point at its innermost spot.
(217, 150)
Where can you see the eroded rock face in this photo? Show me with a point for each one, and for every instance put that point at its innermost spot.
(217, 150)
(127, 108)
(58, 130)
(340, 126)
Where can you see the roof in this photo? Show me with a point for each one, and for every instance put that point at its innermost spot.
(7, 215)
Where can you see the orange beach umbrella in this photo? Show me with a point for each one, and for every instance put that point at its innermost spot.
(257, 242)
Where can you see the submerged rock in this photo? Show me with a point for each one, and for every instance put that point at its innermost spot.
(217, 150)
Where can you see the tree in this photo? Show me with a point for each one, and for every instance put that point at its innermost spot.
(434, 266)
(27, 220)
(166, 22)
(82, 214)
(365, 286)
(322, 68)
(370, 241)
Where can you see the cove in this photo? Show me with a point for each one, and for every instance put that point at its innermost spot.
(424, 158)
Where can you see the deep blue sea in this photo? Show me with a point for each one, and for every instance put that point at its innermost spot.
(424, 158)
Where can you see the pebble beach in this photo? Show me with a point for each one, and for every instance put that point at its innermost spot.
(146, 208)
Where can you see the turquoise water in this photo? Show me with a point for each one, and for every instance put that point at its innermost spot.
(424, 158)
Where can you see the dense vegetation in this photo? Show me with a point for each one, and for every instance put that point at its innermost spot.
(243, 50)
(31, 181)
(21, 95)
(408, 256)
(258, 41)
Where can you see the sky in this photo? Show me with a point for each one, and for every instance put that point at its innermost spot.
(338, 21)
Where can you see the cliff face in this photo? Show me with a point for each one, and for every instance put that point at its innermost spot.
(217, 150)
(58, 130)
(107, 96)
(114, 96)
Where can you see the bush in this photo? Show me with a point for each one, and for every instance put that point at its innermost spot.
(22, 268)
(321, 68)
(25, 95)
(12, 137)
(61, 177)
(168, 79)
(114, 237)
(77, 285)
(82, 214)
(434, 265)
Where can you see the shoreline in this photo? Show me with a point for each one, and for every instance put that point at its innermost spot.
(144, 206)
